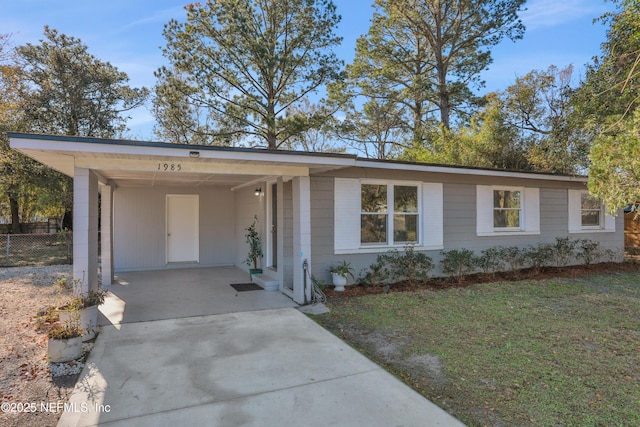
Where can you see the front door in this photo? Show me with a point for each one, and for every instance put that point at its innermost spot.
(183, 228)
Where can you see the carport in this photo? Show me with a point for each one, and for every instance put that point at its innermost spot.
(142, 296)
(170, 206)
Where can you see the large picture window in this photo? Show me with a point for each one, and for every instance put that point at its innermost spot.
(389, 214)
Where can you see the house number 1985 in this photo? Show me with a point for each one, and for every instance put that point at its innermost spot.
(169, 167)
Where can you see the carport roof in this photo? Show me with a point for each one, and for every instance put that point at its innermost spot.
(125, 160)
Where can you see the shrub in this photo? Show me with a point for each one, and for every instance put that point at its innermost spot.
(377, 274)
(563, 250)
(589, 251)
(490, 260)
(458, 262)
(539, 256)
(514, 257)
(410, 265)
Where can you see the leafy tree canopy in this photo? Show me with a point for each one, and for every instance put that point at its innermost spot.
(239, 70)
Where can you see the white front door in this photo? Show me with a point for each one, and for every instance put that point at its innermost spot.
(183, 228)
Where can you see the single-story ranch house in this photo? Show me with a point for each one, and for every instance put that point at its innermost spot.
(166, 206)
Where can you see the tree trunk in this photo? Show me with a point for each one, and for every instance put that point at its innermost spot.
(16, 227)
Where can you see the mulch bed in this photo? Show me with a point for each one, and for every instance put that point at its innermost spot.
(441, 283)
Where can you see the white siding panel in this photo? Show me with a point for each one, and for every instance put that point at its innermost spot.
(432, 211)
(346, 214)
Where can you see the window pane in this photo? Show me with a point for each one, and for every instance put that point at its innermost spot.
(506, 218)
(405, 199)
(587, 202)
(590, 218)
(374, 198)
(405, 228)
(506, 199)
(373, 228)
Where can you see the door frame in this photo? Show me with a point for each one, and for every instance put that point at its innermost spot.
(268, 223)
(196, 222)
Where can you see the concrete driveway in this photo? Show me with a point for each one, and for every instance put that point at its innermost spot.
(261, 368)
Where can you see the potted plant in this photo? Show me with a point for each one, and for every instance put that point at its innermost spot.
(339, 274)
(255, 247)
(85, 306)
(65, 342)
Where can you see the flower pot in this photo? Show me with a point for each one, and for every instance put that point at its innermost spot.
(88, 320)
(253, 271)
(64, 350)
(339, 281)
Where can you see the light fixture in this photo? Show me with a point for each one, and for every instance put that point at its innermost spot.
(258, 191)
(194, 154)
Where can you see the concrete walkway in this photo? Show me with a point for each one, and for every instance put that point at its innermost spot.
(262, 368)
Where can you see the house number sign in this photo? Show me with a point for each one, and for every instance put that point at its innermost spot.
(170, 167)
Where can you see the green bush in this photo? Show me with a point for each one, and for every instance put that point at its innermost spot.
(490, 260)
(458, 263)
(409, 265)
(377, 274)
(513, 256)
(539, 256)
(589, 251)
(564, 250)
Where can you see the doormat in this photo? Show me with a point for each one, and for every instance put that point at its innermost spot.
(242, 287)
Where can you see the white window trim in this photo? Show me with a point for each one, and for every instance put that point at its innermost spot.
(347, 211)
(607, 222)
(529, 212)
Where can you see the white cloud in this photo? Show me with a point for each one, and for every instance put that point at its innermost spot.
(549, 13)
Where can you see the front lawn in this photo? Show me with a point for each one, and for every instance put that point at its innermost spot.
(527, 353)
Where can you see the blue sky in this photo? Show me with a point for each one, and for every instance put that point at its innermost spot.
(128, 34)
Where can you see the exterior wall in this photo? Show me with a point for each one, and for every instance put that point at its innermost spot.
(459, 217)
(140, 227)
(247, 204)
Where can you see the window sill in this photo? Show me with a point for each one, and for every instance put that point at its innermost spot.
(508, 233)
(382, 249)
(591, 230)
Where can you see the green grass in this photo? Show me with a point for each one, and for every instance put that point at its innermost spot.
(540, 353)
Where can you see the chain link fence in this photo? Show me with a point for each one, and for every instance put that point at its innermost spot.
(19, 250)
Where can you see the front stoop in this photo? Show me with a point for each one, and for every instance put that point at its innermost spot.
(266, 282)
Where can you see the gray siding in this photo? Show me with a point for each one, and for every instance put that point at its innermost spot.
(247, 204)
(287, 234)
(139, 227)
(459, 218)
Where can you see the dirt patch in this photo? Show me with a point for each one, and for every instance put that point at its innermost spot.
(25, 374)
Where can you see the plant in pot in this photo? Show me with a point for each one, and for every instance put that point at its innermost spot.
(86, 307)
(255, 247)
(65, 341)
(339, 274)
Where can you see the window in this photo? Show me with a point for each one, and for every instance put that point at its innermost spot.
(590, 211)
(372, 215)
(587, 214)
(507, 212)
(389, 214)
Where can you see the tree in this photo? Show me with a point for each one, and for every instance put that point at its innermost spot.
(58, 87)
(70, 92)
(539, 105)
(608, 102)
(317, 138)
(237, 66)
(426, 54)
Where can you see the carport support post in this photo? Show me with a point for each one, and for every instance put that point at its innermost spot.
(301, 237)
(85, 228)
(106, 235)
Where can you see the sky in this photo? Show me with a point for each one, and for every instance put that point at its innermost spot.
(128, 34)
